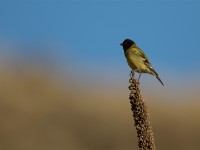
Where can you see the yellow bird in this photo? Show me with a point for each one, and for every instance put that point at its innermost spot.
(137, 60)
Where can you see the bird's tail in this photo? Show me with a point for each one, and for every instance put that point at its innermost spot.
(154, 73)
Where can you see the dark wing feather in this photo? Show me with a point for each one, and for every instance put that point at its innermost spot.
(139, 52)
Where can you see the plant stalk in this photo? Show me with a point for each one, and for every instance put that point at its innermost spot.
(140, 116)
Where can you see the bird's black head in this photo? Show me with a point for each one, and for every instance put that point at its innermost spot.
(127, 43)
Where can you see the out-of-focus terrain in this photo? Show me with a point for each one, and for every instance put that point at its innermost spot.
(44, 110)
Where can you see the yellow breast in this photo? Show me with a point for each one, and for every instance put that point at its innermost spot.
(135, 62)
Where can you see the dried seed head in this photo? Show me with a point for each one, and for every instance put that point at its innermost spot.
(141, 116)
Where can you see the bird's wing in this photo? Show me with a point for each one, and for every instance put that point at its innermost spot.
(137, 51)
(140, 53)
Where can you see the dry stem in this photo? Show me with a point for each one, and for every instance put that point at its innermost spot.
(141, 116)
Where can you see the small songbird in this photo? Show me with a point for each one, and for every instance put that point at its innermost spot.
(137, 60)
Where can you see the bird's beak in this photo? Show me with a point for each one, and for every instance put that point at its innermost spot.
(121, 44)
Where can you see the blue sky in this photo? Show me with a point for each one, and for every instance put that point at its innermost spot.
(88, 33)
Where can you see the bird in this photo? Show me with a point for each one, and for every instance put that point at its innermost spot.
(137, 60)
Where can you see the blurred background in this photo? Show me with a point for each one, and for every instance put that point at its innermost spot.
(64, 77)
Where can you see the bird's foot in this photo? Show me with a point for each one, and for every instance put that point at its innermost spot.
(131, 74)
(139, 78)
